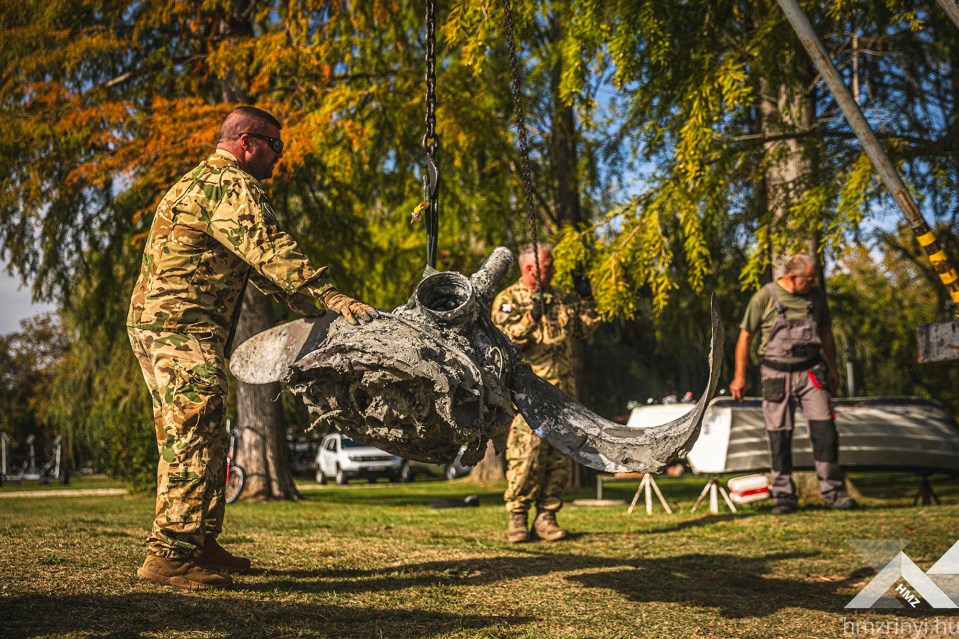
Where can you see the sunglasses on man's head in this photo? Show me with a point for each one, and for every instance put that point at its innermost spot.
(275, 143)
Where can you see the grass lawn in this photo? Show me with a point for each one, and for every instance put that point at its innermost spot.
(77, 482)
(377, 561)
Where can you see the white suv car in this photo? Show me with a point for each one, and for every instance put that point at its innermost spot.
(342, 459)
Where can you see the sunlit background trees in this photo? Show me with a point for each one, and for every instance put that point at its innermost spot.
(677, 149)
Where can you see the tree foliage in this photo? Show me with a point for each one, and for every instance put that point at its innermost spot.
(29, 359)
(686, 116)
(104, 103)
(879, 299)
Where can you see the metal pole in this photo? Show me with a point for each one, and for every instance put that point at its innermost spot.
(850, 372)
(32, 455)
(57, 448)
(3, 453)
(951, 7)
(884, 167)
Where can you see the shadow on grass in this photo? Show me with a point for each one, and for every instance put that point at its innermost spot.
(141, 614)
(702, 521)
(737, 586)
(390, 496)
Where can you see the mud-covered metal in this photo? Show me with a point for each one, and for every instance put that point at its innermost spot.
(437, 376)
(266, 357)
(424, 381)
(605, 445)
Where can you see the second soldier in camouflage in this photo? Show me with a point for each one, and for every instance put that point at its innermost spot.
(542, 320)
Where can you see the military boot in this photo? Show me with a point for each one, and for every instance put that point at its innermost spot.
(518, 527)
(217, 557)
(546, 528)
(181, 573)
(840, 500)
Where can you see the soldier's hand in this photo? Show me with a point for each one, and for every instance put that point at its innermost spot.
(737, 387)
(582, 286)
(539, 307)
(354, 311)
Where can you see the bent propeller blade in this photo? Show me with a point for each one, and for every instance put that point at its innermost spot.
(604, 445)
(266, 357)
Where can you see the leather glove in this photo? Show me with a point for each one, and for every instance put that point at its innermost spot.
(582, 286)
(539, 307)
(354, 311)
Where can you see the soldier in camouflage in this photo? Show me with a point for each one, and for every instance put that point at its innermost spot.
(543, 324)
(213, 231)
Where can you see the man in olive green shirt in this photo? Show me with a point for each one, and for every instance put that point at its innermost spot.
(212, 232)
(798, 356)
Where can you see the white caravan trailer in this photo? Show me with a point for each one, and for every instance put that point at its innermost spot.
(909, 434)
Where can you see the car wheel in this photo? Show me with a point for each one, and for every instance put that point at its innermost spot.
(340, 477)
(320, 476)
(450, 472)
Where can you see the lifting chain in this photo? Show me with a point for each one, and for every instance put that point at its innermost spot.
(519, 117)
(431, 180)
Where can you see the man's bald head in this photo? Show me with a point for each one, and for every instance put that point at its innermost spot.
(527, 265)
(527, 254)
(246, 119)
(800, 274)
(252, 136)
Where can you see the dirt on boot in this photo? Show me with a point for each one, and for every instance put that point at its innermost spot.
(518, 527)
(181, 573)
(546, 528)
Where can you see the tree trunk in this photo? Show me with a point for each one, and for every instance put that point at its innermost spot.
(262, 449)
(568, 211)
(786, 107)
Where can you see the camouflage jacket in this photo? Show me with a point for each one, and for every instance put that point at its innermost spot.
(214, 230)
(546, 345)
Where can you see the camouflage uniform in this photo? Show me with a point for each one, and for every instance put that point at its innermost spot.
(214, 230)
(536, 472)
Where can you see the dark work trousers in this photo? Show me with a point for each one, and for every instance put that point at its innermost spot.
(782, 391)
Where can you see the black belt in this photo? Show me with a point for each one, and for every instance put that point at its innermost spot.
(791, 368)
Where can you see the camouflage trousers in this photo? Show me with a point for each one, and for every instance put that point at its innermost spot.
(536, 473)
(185, 375)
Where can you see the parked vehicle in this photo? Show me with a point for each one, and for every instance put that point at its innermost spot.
(413, 469)
(341, 459)
(302, 453)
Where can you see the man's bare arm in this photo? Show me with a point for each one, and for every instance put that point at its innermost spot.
(738, 385)
(829, 354)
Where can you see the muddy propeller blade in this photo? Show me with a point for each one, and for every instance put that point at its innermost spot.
(604, 445)
(266, 357)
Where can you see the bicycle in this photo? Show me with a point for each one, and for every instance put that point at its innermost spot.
(234, 474)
